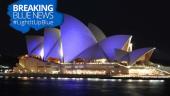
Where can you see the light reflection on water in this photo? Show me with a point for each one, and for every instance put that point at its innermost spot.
(43, 86)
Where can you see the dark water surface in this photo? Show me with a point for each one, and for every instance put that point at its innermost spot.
(83, 87)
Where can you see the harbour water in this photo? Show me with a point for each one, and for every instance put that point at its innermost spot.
(82, 87)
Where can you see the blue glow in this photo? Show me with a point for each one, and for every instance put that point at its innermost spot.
(92, 53)
(114, 42)
(136, 54)
(35, 45)
(76, 37)
(51, 43)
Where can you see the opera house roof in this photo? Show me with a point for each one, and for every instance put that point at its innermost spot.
(75, 40)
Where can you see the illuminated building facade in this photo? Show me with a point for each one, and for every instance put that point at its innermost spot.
(78, 49)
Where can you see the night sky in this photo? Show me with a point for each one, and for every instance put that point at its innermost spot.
(147, 21)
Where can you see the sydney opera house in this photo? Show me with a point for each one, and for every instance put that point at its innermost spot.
(75, 48)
